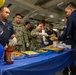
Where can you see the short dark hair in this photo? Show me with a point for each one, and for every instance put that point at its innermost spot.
(71, 4)
(39, 23)
(51, 25)
(26, 23)
(18, 14)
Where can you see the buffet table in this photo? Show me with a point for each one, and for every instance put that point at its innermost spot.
(45, 64)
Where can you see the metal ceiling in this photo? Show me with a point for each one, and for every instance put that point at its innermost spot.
(38, 9)
(41, 2)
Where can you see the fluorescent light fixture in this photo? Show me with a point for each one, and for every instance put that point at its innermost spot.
(55, 29)
(51, 16)
(62, 20)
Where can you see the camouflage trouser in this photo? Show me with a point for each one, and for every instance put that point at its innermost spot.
(20, 47)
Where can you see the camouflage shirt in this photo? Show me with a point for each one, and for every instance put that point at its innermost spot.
(27, 36)
(19, 30)
(36, 41)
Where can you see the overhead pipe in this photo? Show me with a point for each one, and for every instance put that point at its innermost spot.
(51, 3)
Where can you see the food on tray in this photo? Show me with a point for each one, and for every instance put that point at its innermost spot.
(30, 52)
(16, 53)
(41, 50)
(53, 35)
(52, 48)
(55, 48)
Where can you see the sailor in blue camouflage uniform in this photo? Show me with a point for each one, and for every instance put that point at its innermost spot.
(6, 28)
(71, 28)
(70, 31)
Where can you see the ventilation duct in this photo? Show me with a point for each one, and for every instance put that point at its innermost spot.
(62, 5)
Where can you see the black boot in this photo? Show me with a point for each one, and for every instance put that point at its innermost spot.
(73, 70)
(65, 71)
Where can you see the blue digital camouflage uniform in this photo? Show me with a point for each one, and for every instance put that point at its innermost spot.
(69, 35)
(5, 32)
